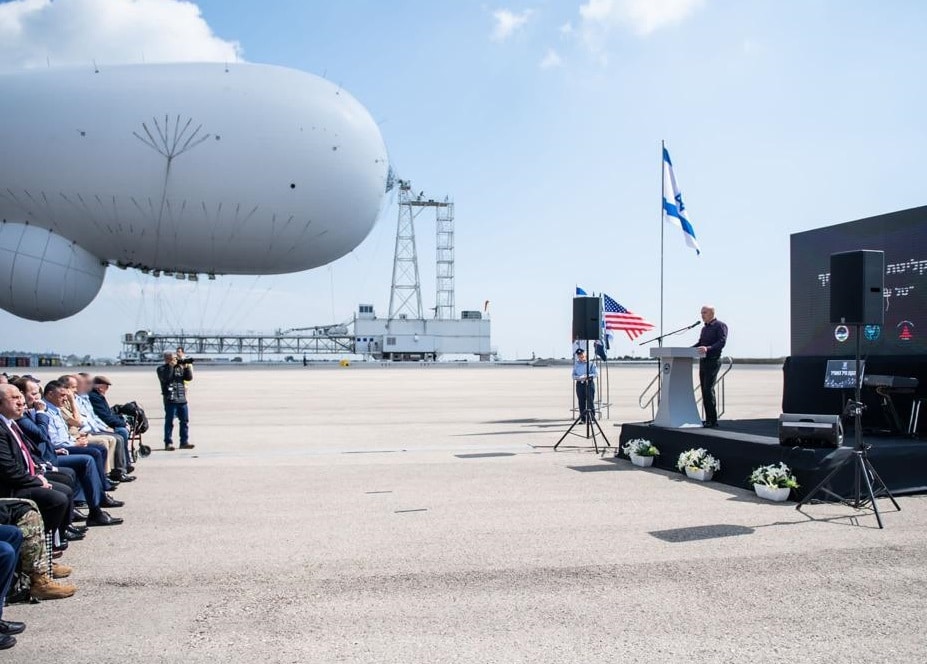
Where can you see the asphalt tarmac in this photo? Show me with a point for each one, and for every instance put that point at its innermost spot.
(419, 514)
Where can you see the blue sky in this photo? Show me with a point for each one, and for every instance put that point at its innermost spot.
(543, 122)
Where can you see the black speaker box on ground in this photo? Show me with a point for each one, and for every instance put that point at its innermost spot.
(857, 279)
(586, 320)
(800, 430)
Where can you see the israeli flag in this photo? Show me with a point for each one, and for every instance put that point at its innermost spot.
(674, 210)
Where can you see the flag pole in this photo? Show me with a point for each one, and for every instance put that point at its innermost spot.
(662, 190)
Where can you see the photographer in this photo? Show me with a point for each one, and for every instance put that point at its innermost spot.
(173, 375)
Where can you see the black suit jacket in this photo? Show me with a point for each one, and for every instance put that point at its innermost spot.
(14, 473)
(104, 412)
(35, 426)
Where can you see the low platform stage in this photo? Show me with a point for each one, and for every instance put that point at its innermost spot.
(742, 445)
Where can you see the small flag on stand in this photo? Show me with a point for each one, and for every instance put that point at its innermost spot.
(674, 210)
(619, 318)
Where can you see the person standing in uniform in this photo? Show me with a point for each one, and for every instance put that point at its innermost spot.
(709, 345)
(584, 375)
(172, 375)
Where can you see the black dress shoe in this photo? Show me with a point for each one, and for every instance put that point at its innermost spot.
(72, 535)
(80, 529)
(109, 501)
(8, 627)
(186, 446)
(130, 468)
(168, 447)
(7, 642)
(103, 519)
(119, 475)
(78, 516)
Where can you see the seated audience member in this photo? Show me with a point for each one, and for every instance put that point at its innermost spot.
(101, 407)
(78, 424)
(35, 422)
(35, 559)
(11, 540)
(93, 425)
(60, 438)
(18, 477)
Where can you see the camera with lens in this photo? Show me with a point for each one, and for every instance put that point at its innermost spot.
(186, 360)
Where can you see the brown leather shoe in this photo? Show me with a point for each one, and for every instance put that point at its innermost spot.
(44, 587)
(60, 571)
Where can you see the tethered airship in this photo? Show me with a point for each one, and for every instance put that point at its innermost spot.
(184, 169)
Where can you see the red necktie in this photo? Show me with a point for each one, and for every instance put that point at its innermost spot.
(22, 446)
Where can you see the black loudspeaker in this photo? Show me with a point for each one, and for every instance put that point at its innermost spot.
(587, 323)
(797, 430)
(856, 282)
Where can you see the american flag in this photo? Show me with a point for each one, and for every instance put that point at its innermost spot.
(619, 318)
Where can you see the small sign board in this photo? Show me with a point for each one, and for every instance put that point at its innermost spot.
(841, 374)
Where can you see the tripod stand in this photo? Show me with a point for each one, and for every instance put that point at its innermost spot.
(587, 414)
(865, 474)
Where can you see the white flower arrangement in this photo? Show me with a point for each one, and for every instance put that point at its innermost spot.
(640, 447)
(775, 475)
(699, 458)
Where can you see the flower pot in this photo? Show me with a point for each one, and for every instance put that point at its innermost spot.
(642, 461)
(778, 494)
(700, 474)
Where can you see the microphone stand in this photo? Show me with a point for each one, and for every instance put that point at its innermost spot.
(669, 334)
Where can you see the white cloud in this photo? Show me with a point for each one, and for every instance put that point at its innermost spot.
(551, 59)
(508, 22)
(641, 16)
(36, 33)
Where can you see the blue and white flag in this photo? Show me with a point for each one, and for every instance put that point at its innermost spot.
(579, 291)
(674, 210)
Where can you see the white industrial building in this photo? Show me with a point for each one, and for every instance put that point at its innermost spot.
(406, 338)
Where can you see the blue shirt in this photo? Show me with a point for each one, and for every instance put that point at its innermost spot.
(57, 428)
(579, 370)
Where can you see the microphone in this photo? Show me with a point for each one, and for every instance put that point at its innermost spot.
(695, 324)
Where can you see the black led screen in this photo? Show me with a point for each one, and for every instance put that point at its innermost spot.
(903, 238)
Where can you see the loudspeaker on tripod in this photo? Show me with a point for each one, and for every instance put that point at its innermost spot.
(857, 279)
(587, 322)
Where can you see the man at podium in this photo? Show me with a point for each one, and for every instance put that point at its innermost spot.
(710, 344)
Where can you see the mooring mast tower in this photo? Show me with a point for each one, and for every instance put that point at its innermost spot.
(405, 300)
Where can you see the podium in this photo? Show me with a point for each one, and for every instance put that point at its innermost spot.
(677, 401)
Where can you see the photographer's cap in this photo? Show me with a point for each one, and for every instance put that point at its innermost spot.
(102, 380)
(580, 351)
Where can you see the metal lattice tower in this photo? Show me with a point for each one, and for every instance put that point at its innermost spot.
(444, 269)
(405, 299)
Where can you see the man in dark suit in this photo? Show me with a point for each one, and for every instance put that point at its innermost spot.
(18, 478)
